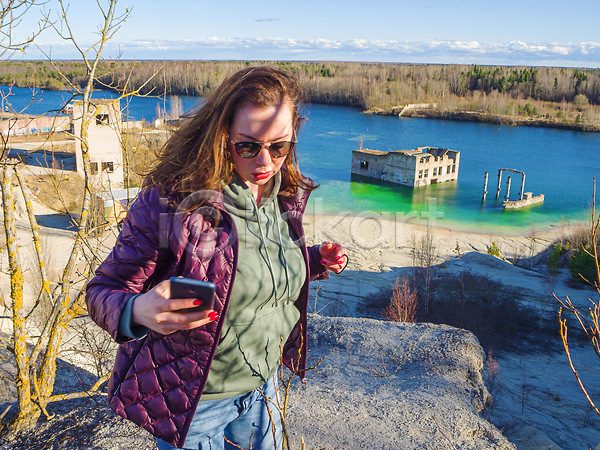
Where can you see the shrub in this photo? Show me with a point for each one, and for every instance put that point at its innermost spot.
(582, 266)
(581, 101)
(558, 250)
(581, 263)
(403, 303)
(494, 250)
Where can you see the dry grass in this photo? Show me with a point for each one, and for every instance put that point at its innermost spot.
(579, 236)
(61, 194)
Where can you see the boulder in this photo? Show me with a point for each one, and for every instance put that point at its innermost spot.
(389, 385)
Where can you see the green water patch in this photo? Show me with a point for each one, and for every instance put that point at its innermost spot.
(437, 205)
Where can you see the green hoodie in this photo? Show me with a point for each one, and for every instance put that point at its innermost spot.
(270, 273)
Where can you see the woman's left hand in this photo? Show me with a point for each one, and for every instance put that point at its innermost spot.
(333, 256)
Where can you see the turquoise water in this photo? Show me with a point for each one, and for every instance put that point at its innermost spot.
(560, 164)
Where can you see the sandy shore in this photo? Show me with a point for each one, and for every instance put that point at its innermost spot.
(370, 231)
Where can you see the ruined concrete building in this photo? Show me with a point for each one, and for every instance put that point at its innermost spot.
(414, 168)
(104, 138)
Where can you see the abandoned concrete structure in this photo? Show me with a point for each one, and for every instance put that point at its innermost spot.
(106, 154)
(414, 168)
(525, 198)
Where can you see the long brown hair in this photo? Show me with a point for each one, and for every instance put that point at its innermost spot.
(197, 158)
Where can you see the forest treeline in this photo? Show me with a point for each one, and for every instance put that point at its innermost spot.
(567, 96)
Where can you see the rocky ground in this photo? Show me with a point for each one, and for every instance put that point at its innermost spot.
(380, 385)
(391, 385)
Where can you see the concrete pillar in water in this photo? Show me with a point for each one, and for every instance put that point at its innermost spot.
(522, 186)
(507, 188)
(499, 184)
(485, 181)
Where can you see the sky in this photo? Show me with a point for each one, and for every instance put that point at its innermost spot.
(509, 32)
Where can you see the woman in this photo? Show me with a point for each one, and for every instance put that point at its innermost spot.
(223, 204)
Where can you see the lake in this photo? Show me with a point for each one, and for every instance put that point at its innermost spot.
(560, 164)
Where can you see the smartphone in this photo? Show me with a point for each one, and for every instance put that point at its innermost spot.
(190, 288)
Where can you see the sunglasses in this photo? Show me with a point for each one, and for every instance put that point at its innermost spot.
(252, 149)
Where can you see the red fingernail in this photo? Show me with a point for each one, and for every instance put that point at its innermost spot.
(323, 262)
(213, 315)
(197, 302)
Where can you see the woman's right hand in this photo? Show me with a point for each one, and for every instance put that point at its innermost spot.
(155, 310)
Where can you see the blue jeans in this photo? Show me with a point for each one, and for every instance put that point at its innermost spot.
(236, 418)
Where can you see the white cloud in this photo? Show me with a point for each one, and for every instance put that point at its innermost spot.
(583, 54)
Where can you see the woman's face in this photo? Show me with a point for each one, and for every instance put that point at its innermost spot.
(260, 124)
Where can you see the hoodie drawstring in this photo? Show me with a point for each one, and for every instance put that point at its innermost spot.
(278, 223)
(265, 253)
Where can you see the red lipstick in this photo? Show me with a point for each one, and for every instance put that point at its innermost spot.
(261, 175)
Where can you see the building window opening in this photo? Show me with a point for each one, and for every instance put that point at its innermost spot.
(420, 174)
(364, 164)
(94, 168)
(448, 170)
(102, 119)
(108, 166)
(434, 171)
(426, 173)
(453, 168)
